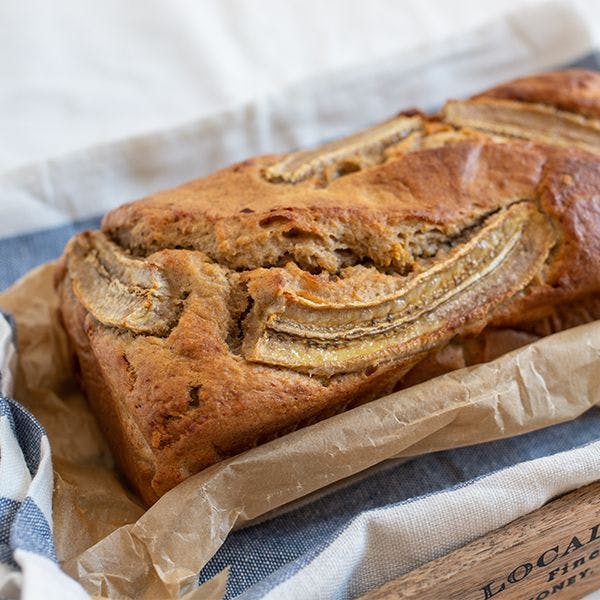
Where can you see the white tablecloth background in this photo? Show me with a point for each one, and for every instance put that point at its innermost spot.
(74, 73)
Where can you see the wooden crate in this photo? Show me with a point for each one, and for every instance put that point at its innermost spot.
(553, 552)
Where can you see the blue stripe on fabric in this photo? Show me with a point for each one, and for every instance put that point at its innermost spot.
(31, 531)
(22, 524)
(28, 431)
(6, 557)
(8, 512)
(292, 539)
(21, 253)
(590, 61)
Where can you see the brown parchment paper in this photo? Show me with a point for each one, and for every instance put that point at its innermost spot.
(114, 548)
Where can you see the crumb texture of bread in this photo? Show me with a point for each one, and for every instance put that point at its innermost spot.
(238, 307)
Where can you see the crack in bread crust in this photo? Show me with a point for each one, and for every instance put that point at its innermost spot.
(136, 295)
(322, 337)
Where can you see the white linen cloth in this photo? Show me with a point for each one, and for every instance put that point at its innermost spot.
(74, 73)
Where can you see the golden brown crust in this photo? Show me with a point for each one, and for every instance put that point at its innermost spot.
(173, 406)
(128, 445)
(447, 188)
(164, 344)
(242, 221)
(573, 90)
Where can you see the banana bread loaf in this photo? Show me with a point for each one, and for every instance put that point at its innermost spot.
(210, 318)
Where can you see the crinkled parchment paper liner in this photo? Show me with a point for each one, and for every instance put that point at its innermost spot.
(113, 548)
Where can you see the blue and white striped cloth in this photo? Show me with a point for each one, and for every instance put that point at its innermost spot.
(27, 555)
(364, 531)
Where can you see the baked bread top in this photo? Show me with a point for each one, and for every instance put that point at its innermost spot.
(282, 289)
(574, 90)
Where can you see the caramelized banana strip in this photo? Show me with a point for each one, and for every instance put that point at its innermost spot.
(525, 120)
(366, 147)
(431, 307)
(118, 290)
